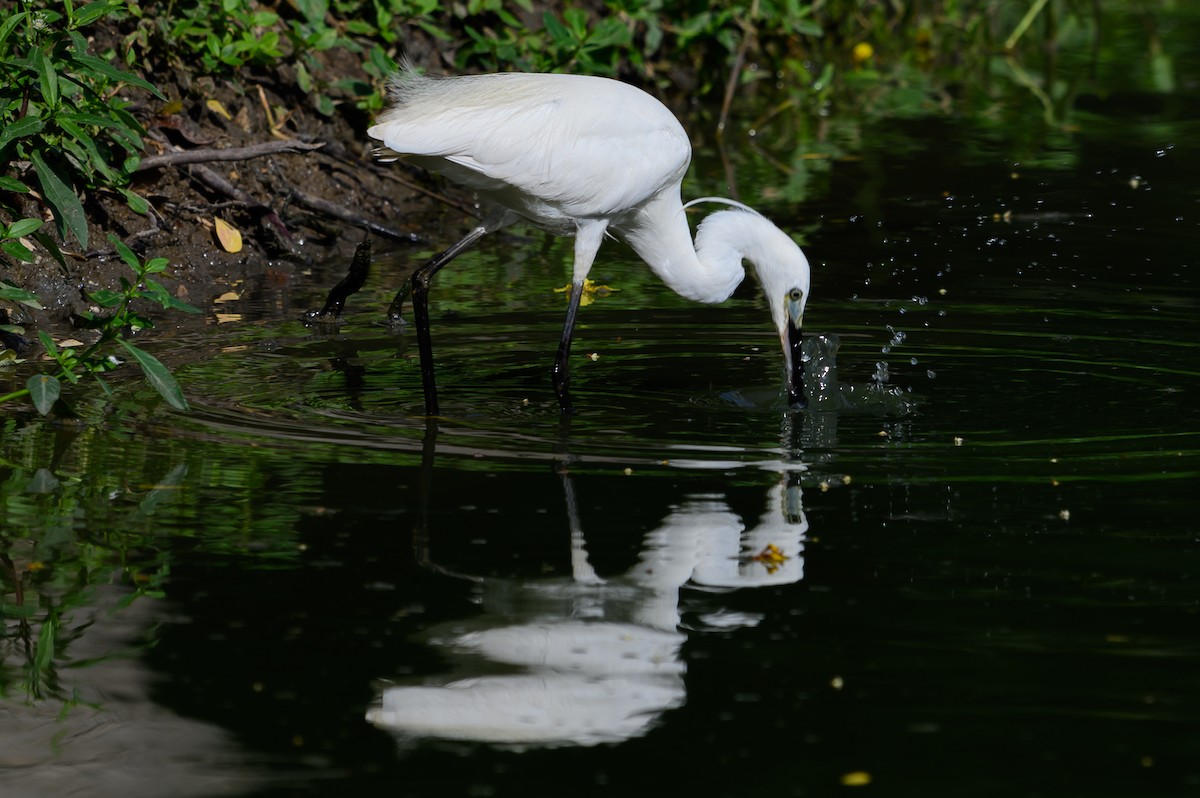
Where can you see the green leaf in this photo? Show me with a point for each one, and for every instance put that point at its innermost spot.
(25, 126)
(18, 250)
(313, 10)
(176, 303)
(48, 343)
(84, 118)
(51, 246)
(102, 67)
(68, 211)
(14, 294)
(137, 203)
(47, 76)
(125, 252)
(6, 27)
(13, 185)
(156, 265)
(158, 376)
(43, 657)
(23, 227)
(303, 79)
(155, 292)
(106, 298)
(558, 32)
(44, 390)
(91, 12)
(89, 149)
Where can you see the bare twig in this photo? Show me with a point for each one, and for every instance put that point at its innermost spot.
(219, 183)
(209, 154)
(350, 217)
(749, 35)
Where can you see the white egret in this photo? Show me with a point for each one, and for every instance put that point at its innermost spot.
(588, 157)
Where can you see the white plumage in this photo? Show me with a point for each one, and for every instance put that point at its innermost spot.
(586, 156)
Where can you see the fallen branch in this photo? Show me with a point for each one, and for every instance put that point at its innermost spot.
(219, 183)
(350, 217)
(210, 154)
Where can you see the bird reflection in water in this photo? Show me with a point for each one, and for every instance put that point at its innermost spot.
(580, 659)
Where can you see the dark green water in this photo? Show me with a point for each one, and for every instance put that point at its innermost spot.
(989, 580)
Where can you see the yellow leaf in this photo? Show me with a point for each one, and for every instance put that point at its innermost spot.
(228, 235)
(857, 778)
(591, 291)
(216, 107)
(772, 557)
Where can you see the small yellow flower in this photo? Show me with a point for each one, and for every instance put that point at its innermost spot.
(863, 52)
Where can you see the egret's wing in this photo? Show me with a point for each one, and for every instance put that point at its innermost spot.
(582, 146)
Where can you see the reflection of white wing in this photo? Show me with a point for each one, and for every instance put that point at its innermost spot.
(599, 657)
(531, 709)
(590, 683)
(579, 647)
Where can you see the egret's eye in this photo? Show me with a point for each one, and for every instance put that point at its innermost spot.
(796, 295)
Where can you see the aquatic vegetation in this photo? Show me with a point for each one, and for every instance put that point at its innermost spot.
(114, 328)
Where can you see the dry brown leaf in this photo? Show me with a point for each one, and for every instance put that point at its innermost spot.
(228, 235)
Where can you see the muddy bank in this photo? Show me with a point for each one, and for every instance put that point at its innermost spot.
(315, 193)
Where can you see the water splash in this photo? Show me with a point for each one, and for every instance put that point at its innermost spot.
(826, 392)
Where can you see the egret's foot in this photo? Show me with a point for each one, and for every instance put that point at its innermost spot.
(395, 310)
(323, 316)
(395, 323)
(356, 276)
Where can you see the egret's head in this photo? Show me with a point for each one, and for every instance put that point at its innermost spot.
(783, 273)
(728, 238)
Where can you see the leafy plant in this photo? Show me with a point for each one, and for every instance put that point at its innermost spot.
(99, 358)
(63, 126)
(571, 41)
(11, 235)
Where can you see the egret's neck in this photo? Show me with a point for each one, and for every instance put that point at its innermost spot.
(706, 271)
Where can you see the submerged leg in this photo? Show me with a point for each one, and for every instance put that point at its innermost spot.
(350, 284)
(588, 235)
(419, 288)
(561, 375)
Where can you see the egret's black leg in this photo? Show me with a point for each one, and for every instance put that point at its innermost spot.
(350, 284)
(420, 299)
(561, 376)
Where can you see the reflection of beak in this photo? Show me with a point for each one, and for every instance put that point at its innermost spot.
(793, 354)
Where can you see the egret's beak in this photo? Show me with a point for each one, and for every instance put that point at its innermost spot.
(793, 354)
